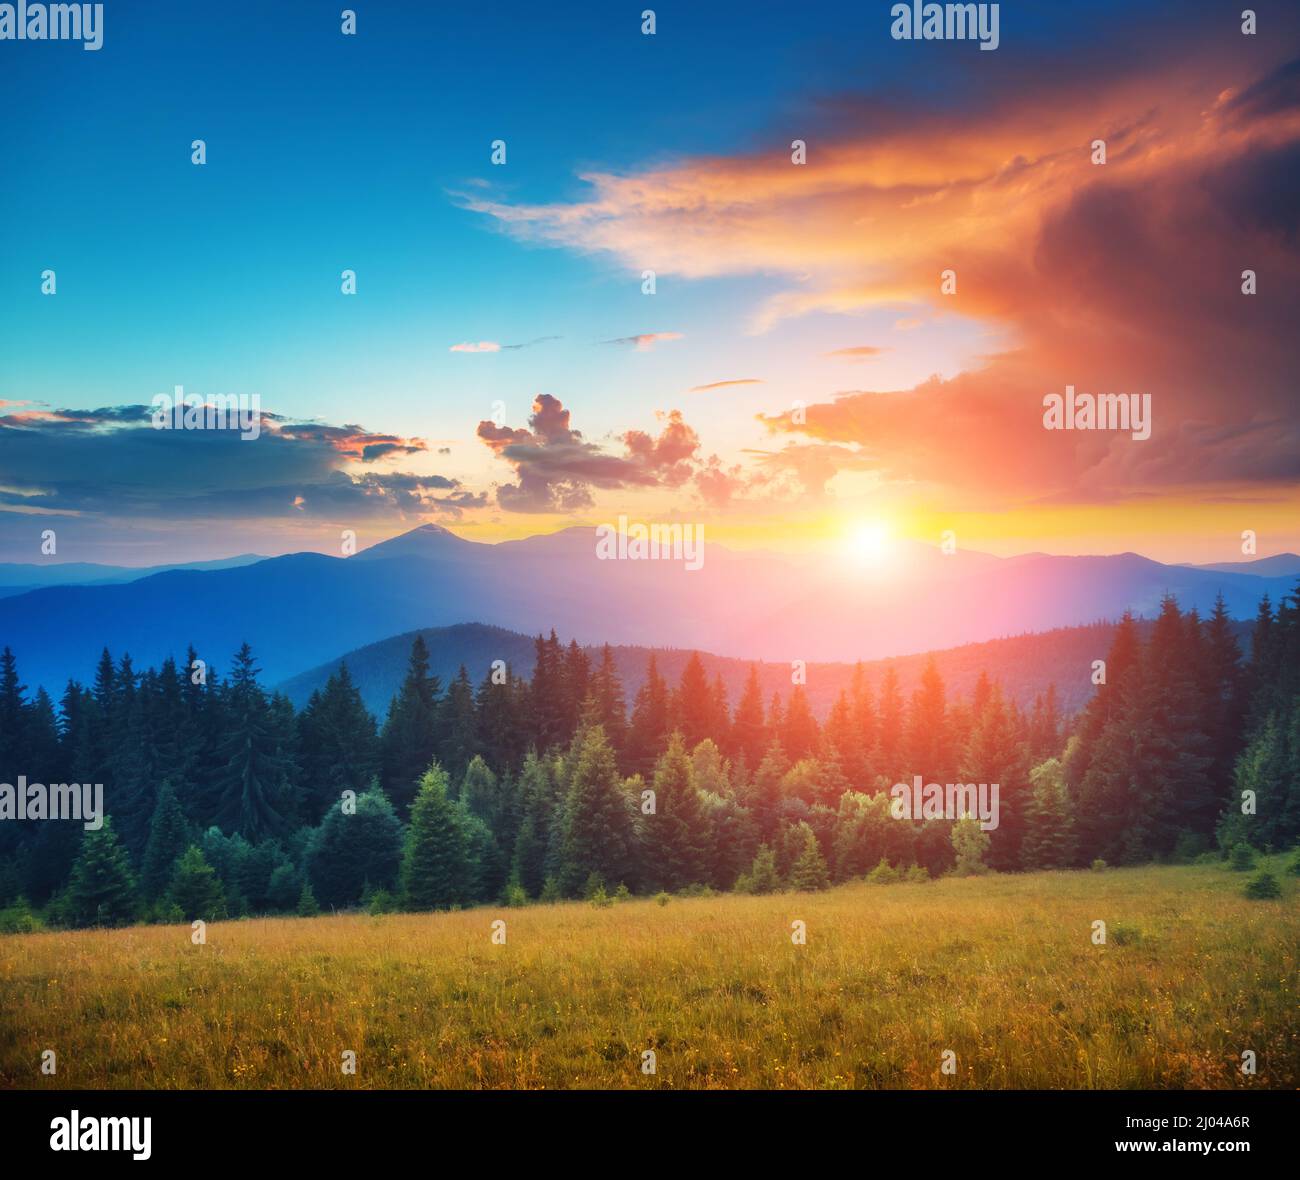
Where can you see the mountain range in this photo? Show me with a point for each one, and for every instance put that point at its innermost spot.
(302, 610)
(1023, 665)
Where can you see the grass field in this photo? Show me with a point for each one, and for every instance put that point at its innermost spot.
(1000, 970)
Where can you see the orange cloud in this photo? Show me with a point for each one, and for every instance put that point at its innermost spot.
(1115, 278)
(724, 384)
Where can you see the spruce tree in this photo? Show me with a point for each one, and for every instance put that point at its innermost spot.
(355, 848)
(674, 835)
(538, 801)
(765, 795)
(809, 872)
(692, 705)
(252, 782)
(195, 888)
(338, 745)
(749, 735)
(1049, 829)
(435, 865)
(928, 749)
(648, 730)
(762, 876)
(409, 739)
(889, 756)
(102, 889)
(970, 844)
(169, 836)
(799, 732)
(458, 726)
(596, 833)
(610, 704)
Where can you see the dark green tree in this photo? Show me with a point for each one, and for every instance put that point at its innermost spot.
(102, 890)
(169, 837)
(435, 865)
(195, 888)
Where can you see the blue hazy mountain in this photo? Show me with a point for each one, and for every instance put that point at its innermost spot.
(18, 577)
(1023, 665)
(304, 609)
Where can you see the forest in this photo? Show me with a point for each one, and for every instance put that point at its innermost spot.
(225, 801)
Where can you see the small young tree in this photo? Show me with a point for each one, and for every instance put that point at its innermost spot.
(308, 907)
(762, 877)
(1262, 886)
(1242, 858)
(1049, 828)
(196, 889)
(970, 843)
(809, 873)
(102, 889)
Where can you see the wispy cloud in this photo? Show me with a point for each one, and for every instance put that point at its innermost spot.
(476, 346)
(725, 384)
(644, 342)
(862, 352)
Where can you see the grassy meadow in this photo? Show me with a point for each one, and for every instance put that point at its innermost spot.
(1002, 970)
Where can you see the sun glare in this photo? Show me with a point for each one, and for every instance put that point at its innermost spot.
(869, 545)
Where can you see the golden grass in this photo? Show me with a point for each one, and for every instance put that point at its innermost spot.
(1000, 970)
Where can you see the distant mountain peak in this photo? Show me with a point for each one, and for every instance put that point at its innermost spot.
(426, 539)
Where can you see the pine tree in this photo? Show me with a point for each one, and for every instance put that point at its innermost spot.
(749, 736)
(169, 836)
(1049, 828)
(889, 758)
(435, 865)
(996, 753)
(13, 720)
(458, 726)
(674, 835)
(102, 890)
(692, 706)
(610, 705)
(353, 849)
(720, 713)
(195, 888)
(338, 745)
(409, 739)
(538, 801)
(1223, 689)
(493, 802)
(596, 825)
(575, 681)
(308, 906)
(809, 872)
(856, 755)
(252, 782)
(547, 695)
(928, 749)
(762, 876)
(799, 732)
(649, 728)
(970, 844)
(499, 725)
(765, 795)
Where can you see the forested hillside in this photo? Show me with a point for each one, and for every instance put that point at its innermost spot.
(224, 798)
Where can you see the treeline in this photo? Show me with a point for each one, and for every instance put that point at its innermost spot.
(225, 800)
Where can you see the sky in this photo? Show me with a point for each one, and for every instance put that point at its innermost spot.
(799, 378)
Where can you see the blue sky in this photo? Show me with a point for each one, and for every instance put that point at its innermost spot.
(328, 152)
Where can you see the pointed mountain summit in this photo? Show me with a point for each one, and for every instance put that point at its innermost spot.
(429, 540)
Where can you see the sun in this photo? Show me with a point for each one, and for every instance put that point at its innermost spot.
(869, 545)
